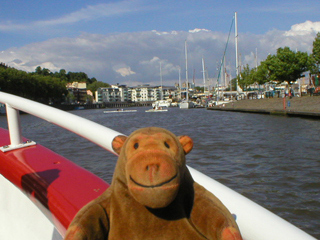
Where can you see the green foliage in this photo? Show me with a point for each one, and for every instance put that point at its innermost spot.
(77, 77)
(95, 85)
(246, 77)
(64, 76)
(287, 65)
(262, 74)
(43, 85)
(42, 71)
(233, 86)
(41, 88)
(315, 55)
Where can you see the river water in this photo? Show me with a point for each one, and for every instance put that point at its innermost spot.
(273, 160)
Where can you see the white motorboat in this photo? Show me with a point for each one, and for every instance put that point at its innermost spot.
(161, 103)
(186, 104)
(157, 109)
(217, 103)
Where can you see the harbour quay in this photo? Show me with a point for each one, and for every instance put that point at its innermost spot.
(306, 106)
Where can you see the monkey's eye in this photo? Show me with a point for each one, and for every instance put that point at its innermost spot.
(136, 145)
(167, 145)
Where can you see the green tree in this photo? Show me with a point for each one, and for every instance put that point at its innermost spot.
(43, 85)
(38, 70)
(262, 74)
(315, 55)
(91, 80)
(77, 77)
(95, 85)
(33, 86)
(62, 75)
(42, 71)
(246, 77)
(233, 84)
(286, 65)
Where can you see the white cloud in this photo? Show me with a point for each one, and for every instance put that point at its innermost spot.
(134, 58)
(305, 28)
(196, 30)
(164, 33)
(10, 26)
(125, 71)
(150, 62)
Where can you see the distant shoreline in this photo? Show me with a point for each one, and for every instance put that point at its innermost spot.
(306, 106)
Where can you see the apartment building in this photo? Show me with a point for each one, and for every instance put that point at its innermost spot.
(77, 91)
(140, 93)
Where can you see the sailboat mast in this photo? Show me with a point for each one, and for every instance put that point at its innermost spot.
(236, 46)
(187, 81)
(161, 93)
(224, 71)
(204, 76)
(256, 57)
(179, 83)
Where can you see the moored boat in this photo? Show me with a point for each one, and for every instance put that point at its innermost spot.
(120, 111)
(186, 104)
(157, 109)
(218, 103)
(161, 103)
(158, 106)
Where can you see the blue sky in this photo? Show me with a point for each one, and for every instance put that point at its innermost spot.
(23, 22)
(38, 33)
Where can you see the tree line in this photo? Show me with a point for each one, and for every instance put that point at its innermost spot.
(285, 65)
(42, 85)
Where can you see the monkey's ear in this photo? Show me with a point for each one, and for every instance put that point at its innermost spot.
(118, 142)
(187, 143)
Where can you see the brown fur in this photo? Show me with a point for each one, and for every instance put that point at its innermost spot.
(153, 196)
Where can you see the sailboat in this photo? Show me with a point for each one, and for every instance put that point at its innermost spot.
(186, 104)
(222, 72)
(159, 105)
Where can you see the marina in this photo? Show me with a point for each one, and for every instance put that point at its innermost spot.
(270, 159)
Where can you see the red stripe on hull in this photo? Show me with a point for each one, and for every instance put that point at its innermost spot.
(55, 184)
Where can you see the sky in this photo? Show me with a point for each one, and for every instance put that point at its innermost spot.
(126, 41)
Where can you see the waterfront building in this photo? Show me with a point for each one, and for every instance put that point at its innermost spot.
(77, 92)
(115, 93)
(140, 93)
(145, 93)
(108, 94)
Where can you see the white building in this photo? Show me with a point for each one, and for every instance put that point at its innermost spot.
(140, 93)
(115, 93)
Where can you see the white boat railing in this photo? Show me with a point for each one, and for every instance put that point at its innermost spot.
(255, 222)
(92, 131)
